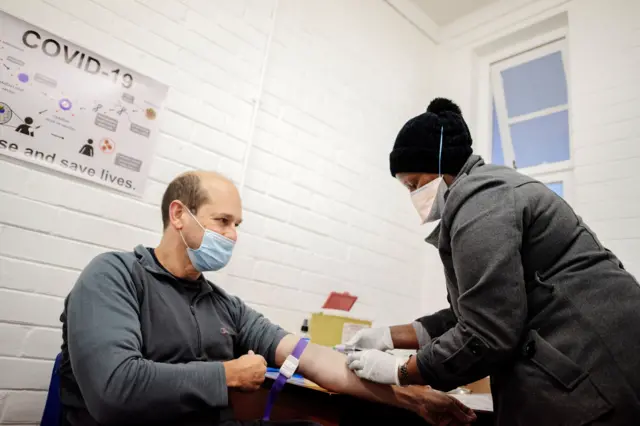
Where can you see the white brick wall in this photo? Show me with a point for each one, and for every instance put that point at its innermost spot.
(321, 211)
(606, 122)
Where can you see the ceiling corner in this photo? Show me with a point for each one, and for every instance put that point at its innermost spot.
(416, 17)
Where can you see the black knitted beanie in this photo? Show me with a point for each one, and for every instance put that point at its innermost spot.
(417, 145)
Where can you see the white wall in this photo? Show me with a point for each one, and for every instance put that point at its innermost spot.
(604, 46)
(604, 90)
(322, 212)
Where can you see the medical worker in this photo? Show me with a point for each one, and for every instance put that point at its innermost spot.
(536, 301)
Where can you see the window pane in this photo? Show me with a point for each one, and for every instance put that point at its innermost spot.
(541, 140)
(535, 85)
(557, 187)
(497, 157)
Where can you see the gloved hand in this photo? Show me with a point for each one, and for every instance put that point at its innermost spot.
(375, 366)
(372, 338)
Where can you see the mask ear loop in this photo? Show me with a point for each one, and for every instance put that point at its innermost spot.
(197, 221)
(440, 154)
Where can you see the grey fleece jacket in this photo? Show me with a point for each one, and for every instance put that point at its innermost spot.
(143, 347)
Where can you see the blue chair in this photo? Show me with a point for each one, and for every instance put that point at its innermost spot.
(53, 408)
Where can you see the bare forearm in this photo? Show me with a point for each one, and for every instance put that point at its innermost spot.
(328, 369)
(404, 337)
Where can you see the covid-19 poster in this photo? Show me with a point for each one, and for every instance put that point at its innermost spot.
(69, 109)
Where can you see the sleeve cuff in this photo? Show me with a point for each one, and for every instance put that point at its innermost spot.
(214, 380)
(278, 336)
(422, 361)
(423, 335)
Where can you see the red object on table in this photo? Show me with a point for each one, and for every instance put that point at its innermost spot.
(340, 301)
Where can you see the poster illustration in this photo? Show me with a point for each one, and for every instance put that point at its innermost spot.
(66, 108)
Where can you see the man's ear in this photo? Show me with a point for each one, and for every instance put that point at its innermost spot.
(176, 214)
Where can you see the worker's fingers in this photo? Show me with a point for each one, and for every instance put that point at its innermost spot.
(360, 373)
(354, 356)
(354, 340)
(356, 365)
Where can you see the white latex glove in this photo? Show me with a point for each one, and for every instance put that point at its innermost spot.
(372, 338)
(375, 366)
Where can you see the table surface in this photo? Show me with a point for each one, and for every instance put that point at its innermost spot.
(476, 401)
(305, 400)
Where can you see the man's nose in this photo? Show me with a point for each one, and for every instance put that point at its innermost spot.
(231, 233)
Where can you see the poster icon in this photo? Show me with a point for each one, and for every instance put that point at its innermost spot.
(5, 113)
(127, 162)
(150, 113)
(25, 128)
(107, 146)
(106, 122)
(65, 104)
(87, 149)
(47, 81)
(23, 77)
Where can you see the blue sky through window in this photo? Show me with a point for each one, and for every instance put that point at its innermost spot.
(541, 140)
(535, 85)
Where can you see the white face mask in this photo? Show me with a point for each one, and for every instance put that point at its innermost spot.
(424, 198)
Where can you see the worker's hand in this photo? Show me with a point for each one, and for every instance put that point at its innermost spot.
(375, 366)
(372, 338)
(246, 373)
(438, 408)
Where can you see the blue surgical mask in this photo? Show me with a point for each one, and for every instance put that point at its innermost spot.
(214, 252)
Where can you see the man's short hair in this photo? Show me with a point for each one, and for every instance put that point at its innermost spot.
(187, 189)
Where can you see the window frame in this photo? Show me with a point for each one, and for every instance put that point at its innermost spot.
(516, 53)
(504, 122)
(564, 176)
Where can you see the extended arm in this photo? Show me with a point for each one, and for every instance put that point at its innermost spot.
(328, 369)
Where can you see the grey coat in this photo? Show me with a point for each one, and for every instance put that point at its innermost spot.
(537, 303)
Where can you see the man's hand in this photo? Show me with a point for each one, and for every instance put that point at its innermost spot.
(372, 338)
(375, 366)
(439, 408)
(246, 373)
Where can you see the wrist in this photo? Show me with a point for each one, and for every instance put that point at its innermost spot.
(230, 372)
(403, 372)
(413, 372)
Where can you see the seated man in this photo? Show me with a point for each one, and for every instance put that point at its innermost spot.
(149, 341)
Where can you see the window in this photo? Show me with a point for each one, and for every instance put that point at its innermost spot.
(556, 187)
(531, 129)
